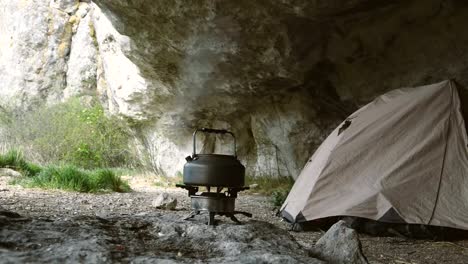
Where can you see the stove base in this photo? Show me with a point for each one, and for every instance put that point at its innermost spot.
(211, 215)
(215, 204)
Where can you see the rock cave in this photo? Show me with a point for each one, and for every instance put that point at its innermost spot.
(280, 74)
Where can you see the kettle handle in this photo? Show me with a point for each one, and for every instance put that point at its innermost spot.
(212, 131)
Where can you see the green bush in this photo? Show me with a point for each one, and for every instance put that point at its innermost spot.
(62, 177)
(105, 179)
(70, 133)
(279, 196)
(74, 179)
(14, 159)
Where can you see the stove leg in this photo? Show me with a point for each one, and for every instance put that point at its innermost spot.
(191, 215)
(243, 213)
(233, 218)
(211, 220)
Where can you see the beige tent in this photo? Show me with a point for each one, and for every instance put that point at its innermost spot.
(401, 158)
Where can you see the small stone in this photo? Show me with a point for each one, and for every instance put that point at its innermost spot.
(253, 186)
(340, 245)
(10, 173)
(165, 201)
(141, 214)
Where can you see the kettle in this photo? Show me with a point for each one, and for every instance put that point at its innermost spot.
(213, 170)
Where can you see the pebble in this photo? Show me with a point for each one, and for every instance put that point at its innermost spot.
(253, 186)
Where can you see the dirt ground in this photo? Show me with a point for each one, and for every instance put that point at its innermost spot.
(59, 204)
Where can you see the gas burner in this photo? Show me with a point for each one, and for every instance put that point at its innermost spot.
(220, 172)
(214, 203)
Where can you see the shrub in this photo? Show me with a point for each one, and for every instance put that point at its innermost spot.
(106, 179)
(67, 178)
(62, 177)
(279, 196)
(74, 179)
(14, 159)
(70, 133)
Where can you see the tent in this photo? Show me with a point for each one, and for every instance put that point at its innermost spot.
(400, 159)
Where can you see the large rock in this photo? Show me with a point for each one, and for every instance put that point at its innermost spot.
(340, 245)
(124, 90)
(82, 64)
(33, 59)
(144, 239)
(280, 74)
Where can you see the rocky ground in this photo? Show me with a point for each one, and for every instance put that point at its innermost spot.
(128, 227)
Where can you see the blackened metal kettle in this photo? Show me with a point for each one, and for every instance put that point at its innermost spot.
(214, 170)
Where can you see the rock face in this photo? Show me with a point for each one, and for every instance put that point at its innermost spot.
(33, 60)
(280, 74)
(82, 66)
(148, 239)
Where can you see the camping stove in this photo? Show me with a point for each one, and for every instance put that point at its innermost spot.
(222, 177)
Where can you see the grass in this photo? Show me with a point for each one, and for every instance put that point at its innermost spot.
(74, 179)
(14, 159)
(162, 181)
(65, 177)
(127, 171)
(277, 188)
(268, 185)
(72, 132)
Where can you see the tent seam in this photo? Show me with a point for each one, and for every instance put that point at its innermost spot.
(445, 155)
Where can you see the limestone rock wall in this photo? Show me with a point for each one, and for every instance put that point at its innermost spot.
(34, 46)
(280, 74)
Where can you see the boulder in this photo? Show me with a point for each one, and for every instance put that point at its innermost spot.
(152, 238)
(340, 245)
(165, 201)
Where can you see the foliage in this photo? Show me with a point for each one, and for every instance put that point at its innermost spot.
(63, 177)
(14, 159)
(163, 181)
(279, 196)
(106, 179)
(70, 133)
(267, 185)
(74, 179)
(275, 187)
